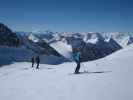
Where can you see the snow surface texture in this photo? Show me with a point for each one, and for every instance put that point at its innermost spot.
(108, 78)
(63, 48)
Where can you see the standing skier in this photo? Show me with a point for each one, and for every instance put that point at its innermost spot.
(38, 62)
(33, 61)
(77, 58)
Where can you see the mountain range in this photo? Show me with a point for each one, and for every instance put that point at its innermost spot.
(62, 45)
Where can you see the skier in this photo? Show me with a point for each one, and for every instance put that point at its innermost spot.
(77, 58)
(33, 61)
(38, 62)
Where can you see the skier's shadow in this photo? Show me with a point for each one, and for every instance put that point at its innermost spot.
(95, 72)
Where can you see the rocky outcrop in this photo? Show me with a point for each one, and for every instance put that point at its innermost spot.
(7, 37)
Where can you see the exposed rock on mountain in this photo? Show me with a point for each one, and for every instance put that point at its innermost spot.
(40, 46)
(7, 37)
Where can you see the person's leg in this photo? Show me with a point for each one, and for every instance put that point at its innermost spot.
(32, 64)
(77, 68)
(37, 66)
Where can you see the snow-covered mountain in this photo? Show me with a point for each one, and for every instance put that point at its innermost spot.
(37, 45)
(108, 78)
(41, 46)
(121, 38)
(92, 45)
(19, 47)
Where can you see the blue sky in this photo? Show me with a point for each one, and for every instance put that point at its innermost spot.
(68, 15)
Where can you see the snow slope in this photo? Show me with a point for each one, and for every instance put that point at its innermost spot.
(63, 48)
(107, 79)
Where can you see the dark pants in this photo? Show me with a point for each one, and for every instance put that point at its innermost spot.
(77, 68)
(32, 64)
(37, 67)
